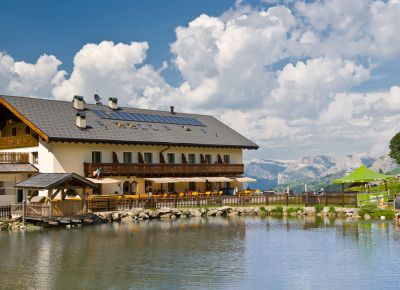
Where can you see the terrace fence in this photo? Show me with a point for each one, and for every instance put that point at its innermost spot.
(76, 208)
(5, 212)
(110, 203)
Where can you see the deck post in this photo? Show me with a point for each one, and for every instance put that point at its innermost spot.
(23, 206)
(49, 194)
(307, 196)
(343, 199)
(266, 199)
(84, 200)
(287, 198)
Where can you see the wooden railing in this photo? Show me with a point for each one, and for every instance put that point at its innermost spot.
(139, 169)
(5, 212)
(71, 208)
(18, 142)
(65, 208)
(117, 203)
(14, 157)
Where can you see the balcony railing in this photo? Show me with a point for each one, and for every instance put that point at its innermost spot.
(18, 142)
(14, 157)
(143, 169)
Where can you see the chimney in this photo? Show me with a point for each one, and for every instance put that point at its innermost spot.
(80, 120)
(172, 110)
(78, 103)
(113, 103)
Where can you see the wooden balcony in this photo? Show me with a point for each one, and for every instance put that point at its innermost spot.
(18, 142)
(14, 157)
(154, 170)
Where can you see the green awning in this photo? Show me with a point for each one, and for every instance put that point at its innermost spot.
(363, 174)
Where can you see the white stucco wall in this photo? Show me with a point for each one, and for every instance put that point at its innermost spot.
(9, 180)
(69, 157)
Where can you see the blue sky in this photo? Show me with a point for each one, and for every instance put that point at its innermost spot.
(322, 74)
(31, 28)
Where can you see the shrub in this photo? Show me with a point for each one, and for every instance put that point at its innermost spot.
(332, 209)
(290, 210)
(277, 211)
(263, 209)
(376, 213)
(319, 208)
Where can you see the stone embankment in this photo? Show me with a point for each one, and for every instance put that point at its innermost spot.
(16, 225)
(225, 211)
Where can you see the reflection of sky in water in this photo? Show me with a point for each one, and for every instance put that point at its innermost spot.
(238, 253)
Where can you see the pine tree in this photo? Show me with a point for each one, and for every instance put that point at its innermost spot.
(394, 147)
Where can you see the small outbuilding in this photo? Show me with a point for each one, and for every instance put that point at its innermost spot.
(57, 202)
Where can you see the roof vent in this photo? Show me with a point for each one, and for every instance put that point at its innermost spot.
(78, 103)
(80, 120)
(172, 110)
(113, 103)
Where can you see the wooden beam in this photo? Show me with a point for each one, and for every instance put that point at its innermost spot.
(24, 120)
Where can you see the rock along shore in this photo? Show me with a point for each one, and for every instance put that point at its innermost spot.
(137, 214)
(224, 211)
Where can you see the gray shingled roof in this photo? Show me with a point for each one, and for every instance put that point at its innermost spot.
(57, 120)
(50, 180)
(16, 167)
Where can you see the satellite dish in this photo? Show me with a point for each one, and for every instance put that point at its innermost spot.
(97, 99)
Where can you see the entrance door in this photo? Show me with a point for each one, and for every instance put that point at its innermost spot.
(20, 195)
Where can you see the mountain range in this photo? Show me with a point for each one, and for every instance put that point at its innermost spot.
(315, 171)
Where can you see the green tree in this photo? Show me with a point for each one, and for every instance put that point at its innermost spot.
(394, 147)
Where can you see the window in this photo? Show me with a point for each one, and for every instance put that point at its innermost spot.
(171, 187)
(96, 157)
(192, 186)
(27, 130)
(148, 186)
(208, 158)
(35, 157)
(171, 158)
(14, 131)
(127, 157)
(227, 159)
(192, 158)
(148, 157)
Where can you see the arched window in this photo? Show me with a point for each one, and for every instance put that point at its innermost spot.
(126, 188)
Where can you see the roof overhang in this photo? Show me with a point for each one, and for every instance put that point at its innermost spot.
(54, 180)
(104, 141)
(17, 168)
(24, 120)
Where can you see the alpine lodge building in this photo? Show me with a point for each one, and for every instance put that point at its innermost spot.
(123, 150)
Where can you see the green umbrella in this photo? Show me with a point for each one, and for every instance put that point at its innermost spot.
(363, 174)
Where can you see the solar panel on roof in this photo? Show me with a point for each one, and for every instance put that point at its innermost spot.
(125, 116)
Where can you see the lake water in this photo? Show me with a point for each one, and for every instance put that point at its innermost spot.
(213, 253)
